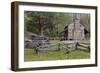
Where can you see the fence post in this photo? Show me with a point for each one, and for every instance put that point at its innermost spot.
(76, 46)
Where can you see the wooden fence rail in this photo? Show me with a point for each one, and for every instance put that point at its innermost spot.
(71, 46)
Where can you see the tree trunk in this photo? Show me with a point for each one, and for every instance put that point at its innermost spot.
(40, 27)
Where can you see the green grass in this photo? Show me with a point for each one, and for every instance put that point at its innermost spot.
(29, 55)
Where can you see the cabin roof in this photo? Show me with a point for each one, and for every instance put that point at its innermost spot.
(86, 28)
(66, 29)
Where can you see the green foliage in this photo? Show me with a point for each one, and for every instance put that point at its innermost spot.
(50, 24)
(85, 20)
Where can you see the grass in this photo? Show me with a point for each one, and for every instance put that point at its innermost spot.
(55, 55)
(30, 55)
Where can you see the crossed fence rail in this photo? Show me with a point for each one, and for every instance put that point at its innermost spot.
(74, 45)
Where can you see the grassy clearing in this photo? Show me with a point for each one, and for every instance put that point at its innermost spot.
(29, 55)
